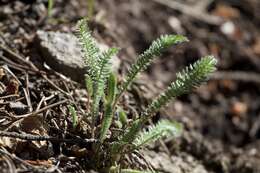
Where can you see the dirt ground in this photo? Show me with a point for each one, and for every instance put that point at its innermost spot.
(221, 118)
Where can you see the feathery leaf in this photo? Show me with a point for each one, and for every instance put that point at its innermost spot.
(122, 116)
(130, 135)
(163, 128)
(111, 88)
(191, 77)
(103, 74)
(99, 66)
(90, 48)
(145, 59)
(74, 116)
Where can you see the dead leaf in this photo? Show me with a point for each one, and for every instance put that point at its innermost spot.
(47, 163)
(12, 86)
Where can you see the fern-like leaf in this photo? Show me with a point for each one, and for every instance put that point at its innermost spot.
(122, 116)
(145, 59)
(106, 123)
(130, 135)
(187, 80)
(111, 88)
(98, 64)
(74, 116)
(103, 74)
(163, 128)
(190, 78)
(108, 115)
(90, 48)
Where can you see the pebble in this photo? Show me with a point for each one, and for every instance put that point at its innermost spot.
(62, 52)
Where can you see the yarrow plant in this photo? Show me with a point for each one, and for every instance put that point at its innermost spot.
(105, 93)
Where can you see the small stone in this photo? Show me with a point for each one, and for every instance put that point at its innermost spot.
(18, 107)
(239, 108)
(62, 52)
(228, 28)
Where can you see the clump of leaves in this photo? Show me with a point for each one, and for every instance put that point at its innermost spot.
(105, 93)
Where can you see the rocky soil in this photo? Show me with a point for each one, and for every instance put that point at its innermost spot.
(42, 70)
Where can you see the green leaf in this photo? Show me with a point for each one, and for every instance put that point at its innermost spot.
(98, 65)
(100, 84)
(131, 134)
(111, 88)
(91, 51)
(74, 116)
(191, 77)
(91, 4)
(164, 128)
(89, 85)
(50, 7)
(106, 123)
(122, 116)
(145, 59)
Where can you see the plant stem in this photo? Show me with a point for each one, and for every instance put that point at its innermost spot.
(90, 8)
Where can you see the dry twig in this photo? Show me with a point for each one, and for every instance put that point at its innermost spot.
(30, 137)
(42, 109)
(32, 67)
(198, 12)
(237, 75)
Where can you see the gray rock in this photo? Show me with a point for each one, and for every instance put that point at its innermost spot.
(18, 107)
(62, 52)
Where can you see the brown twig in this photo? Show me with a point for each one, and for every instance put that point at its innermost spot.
(40, 103)
(15, 65)
(9, 162)
(12, 74)
(54, 85)
(20, 58)
(4, 151)
(42, 109)
(9, 96)
(150, 166)
(32, 67)
(27, 92)
(28, 100)
(237, 75)
(8, 102)
(30, 137)
(192, 10)
(20, 117)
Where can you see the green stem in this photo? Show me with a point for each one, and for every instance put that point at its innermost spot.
(91, 4)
